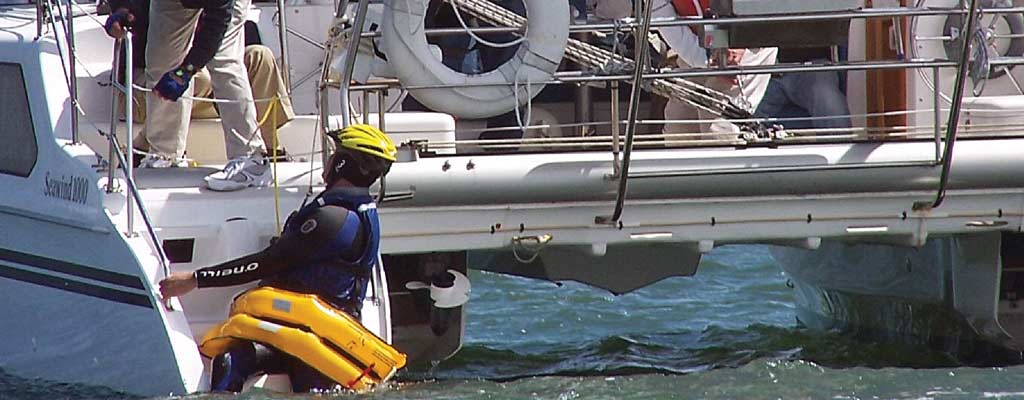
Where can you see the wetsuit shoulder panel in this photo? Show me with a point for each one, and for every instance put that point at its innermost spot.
(301, 241)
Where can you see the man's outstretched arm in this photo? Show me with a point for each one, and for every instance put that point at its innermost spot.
(295, 247)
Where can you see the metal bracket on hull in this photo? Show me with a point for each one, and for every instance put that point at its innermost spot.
(531, 244)
(954, 112)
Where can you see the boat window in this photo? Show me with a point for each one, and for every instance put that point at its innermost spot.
(19, 153)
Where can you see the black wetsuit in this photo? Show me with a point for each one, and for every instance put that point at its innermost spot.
(327, 248)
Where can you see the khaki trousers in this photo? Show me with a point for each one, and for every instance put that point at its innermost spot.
(171, 30)
(266, 81)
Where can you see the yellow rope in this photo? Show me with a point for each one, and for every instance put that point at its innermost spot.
(273, 154)
(270, 110)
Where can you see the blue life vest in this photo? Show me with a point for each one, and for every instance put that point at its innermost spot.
(337, 279)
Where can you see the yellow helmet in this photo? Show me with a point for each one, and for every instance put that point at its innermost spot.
(367, 139)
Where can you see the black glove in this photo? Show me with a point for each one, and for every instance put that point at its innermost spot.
(173, 84)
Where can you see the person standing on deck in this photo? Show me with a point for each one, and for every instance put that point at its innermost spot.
(327, 248)
(267, 83)
(183, 37)
(745, 90)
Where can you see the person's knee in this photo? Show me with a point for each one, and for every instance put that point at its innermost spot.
(201, 84)
(815, 87)
(824, 89)
(257, 54)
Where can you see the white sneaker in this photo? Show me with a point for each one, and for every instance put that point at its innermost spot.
(162, 161)
(239, 173)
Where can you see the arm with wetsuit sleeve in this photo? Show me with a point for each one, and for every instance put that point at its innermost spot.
(299, 242)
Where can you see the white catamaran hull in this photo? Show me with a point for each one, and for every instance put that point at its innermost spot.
(71, 276)
(944, 295)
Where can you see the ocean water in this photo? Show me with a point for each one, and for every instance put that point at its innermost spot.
(730, 332)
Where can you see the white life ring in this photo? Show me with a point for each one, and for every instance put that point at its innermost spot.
(482, 95)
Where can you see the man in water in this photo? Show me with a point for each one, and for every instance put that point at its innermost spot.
(327, 248)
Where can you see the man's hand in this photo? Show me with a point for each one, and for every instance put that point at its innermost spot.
(178, 284)
(118, 22)
(173, 84)
(733, 57)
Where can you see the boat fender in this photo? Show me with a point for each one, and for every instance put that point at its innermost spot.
(479, 95)
(309, 329)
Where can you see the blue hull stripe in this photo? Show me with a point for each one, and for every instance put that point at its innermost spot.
(64, 267)
(73, 286)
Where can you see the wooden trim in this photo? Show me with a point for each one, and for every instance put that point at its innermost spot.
(886, 89)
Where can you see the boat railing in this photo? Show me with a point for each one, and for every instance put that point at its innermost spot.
(116, 158)
(942, 135)
(593, 77)
(344, 84)
(954, 112)
(589, 76)
(44, 15)
(124, 88)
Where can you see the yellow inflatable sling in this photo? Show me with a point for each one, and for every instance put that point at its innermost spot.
(305, 327)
